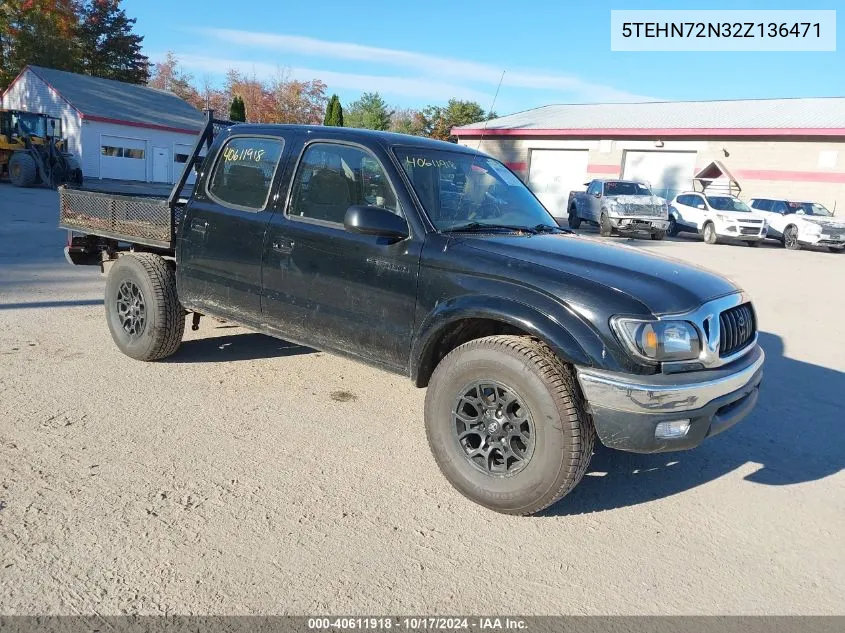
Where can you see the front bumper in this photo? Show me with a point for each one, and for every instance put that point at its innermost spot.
(824, 239)
(741, 231)
(626, 412)
(635, 223)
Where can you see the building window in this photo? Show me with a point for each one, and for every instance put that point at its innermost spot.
(244, 171)
(114, 152)
(133, 153)
(180, 158)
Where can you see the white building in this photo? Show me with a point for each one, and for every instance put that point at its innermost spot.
(117, 130)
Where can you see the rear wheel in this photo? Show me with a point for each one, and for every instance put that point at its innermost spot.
(709, 233)
(22, 170)
(605, 227)
(790, 238)
(506, 424)
(574, 220)
(143, 312)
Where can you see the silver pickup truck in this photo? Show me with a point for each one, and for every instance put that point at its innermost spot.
(621, 205)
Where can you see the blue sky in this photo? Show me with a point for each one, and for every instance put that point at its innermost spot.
(421, 52)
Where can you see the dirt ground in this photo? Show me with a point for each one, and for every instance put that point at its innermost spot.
(249, 476)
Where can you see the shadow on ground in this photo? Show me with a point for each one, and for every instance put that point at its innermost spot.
(795, 435)
(72, 303)
(233, 347)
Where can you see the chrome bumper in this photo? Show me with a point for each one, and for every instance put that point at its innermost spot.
(626, 410)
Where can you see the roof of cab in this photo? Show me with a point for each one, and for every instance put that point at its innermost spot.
(389, 139)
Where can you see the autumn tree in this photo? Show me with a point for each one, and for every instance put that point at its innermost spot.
(334, 112)
(408, 121)
(109, 48)
(439, 120)
(38, 32)
(237, 111)
(168, 75)
(298, 101)
(370, 112)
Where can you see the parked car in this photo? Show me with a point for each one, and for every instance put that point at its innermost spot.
(714, 216)
(621, 205)
(798, 224)
(531, 339)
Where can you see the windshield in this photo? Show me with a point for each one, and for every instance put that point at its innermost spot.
(457, 189)
(727, 203)
(809, 208)
(616, 188)
(30, 124)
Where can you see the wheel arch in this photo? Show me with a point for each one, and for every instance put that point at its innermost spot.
(456, 322)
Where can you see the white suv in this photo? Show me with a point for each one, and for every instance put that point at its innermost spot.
(715, 216)
(801, 223)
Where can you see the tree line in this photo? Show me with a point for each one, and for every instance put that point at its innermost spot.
(96, 37)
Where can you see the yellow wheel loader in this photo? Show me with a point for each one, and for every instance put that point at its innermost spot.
(33, 151)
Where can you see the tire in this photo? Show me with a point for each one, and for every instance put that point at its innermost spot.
(74, 171)
(753, 242)
(658, 235)
(158, 333)
(836, 249)
(709, 232)
(790, 238)
(605, 227)
(672, 231)
(22, 170)
(562, 434)
(573, 219)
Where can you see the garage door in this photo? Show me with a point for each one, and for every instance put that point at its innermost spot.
(666, 172)
(123, 158)
(553, 173)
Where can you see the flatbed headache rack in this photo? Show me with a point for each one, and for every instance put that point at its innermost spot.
(143, 219)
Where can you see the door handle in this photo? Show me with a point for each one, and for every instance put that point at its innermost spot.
(285, 247)
(199, 226)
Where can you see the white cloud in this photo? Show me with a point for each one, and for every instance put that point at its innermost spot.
(430, 65)
(386, 84)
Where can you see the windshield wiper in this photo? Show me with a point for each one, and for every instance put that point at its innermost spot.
(480, 227)
(548, 228)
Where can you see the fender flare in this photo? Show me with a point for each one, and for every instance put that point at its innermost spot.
(557, 332)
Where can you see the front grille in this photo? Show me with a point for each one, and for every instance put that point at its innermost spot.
(752, 221)
(640, 210)
(738, 327)
(747, 230)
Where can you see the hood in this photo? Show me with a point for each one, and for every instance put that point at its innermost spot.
(661, 284)
(652, 200)
(824, 221)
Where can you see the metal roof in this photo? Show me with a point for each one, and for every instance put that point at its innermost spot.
(750, 116)
(122, 103)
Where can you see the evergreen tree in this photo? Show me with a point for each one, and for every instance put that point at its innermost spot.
(108, 46)
(334, 112)
(237, 111)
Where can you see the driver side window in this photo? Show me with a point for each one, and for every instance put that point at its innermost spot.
(780, 207)
(594, 188)
(697, 201)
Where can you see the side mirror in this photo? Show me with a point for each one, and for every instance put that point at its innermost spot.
(367, 220)
(597, 195)
(700, 206)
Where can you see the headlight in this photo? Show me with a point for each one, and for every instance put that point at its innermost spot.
(813, 229)
(664, 211)
(724, 218)
(613, 208)
(659, 340)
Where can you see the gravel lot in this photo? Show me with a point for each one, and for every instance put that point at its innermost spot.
(246, 475)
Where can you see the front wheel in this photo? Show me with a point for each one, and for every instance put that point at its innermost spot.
(752, 242)
(506, 424)
(672, 231)
(605, 227)
(658, 235)
(710, 233)
(790, 238)
(143, 311)
(574, 220)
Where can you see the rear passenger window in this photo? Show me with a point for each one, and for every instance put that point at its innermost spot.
(244, 172)
(332, 177)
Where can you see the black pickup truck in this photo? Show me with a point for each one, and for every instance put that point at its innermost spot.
(434, 261)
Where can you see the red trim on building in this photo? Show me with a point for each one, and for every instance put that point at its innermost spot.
(793, 176)
(652, 132)
(603, 169)
(151, 126)
(517, 166)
